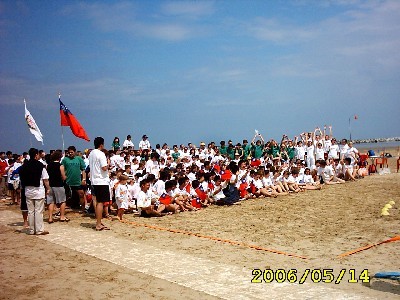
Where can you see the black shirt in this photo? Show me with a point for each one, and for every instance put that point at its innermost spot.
(54, 171)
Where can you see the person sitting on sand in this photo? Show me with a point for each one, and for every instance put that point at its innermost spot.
(149, 206)
(327, 174)
(307, 182)
(350, 171)
(290, 179)
(182, 195)
(168, 200)
(268, 184)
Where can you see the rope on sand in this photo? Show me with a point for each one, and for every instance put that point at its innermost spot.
(396, 238)
(213, 239)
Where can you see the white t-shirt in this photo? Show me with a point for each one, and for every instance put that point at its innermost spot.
(97, 160)
(300, 152)
(144, 144)
(134, 190)
(326, 145)
(122, 196)
(153, 167)
(117, 162)
(159, 187)
(319, 153)
(333, 151)
(33, 192)
(310, 151)
(343, 150)
(326, 173)
(219, 194)
(128, 143)
(143, 199)
(352, 153)
(291, 179)
(307, 179)
(267, 181)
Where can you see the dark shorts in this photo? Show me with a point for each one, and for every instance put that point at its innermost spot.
(76, 188)
(102, 193)
(10, 186)
(144, 214)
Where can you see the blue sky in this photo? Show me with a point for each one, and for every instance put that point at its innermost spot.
(191, 71)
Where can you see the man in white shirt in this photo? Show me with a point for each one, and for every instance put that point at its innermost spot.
(35, 178)
(144, 143)
(128, 144)
(100, 180)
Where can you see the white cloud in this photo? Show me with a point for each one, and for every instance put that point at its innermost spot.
(275, 31)
(361, 39)
(188, 9)
(126, 17)
(98, 94)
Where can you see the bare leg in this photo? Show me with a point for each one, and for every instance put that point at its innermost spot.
(25, 217)
(99, 215)
(51, 210)
(82, 199)
(62, 211)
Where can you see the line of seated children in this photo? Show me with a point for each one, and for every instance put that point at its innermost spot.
(148, 203)
(268, 183)
(208, 188)
(307, 182)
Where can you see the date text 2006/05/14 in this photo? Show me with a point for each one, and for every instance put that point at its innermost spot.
(315, 276)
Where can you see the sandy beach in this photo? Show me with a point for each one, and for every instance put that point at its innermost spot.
(316, 225)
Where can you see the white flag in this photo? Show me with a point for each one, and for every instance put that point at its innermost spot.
(32, 125)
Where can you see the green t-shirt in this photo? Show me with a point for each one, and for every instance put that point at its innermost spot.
(223, 150)
(73, 168)
(246, 150)
(291, 152)
(274, 151)
(115, 146)
(175, 155)
(258, 150)
(231, 152)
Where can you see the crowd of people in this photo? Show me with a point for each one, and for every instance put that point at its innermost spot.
(162, 180)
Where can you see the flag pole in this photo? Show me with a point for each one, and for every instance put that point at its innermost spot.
(62, 128)
(350, 127)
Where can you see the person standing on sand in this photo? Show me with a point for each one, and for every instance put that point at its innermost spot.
(100, 180)
(3, 174)
(74, 167)
(35, 178)
(56, 182)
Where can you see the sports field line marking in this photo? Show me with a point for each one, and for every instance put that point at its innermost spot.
(230, 242)
(214, 278)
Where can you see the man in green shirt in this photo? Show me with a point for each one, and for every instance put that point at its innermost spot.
(223, 149)
(258, 146)
(231, 151)
(246, 149)
(76, 176)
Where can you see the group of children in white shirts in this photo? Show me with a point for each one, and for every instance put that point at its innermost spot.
(157, 183)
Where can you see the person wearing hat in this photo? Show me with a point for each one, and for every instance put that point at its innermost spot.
(128, 144)
(144, 144)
